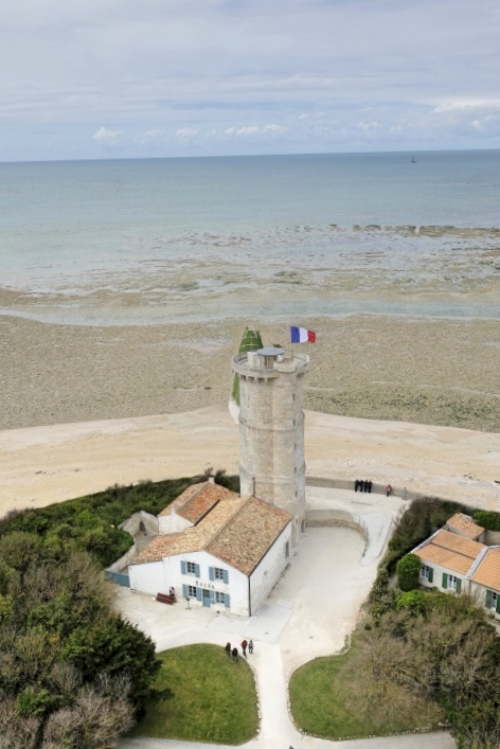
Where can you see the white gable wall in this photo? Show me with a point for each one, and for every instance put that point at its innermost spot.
(270, 568)
(172, 523)
(147, 578)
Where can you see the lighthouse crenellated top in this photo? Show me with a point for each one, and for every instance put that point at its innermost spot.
(269, 363)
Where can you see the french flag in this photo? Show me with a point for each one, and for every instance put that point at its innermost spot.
(302, 335)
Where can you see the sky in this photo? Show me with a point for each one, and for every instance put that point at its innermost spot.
(92, 79)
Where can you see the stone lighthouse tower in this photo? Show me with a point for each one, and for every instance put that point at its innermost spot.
(272, 465)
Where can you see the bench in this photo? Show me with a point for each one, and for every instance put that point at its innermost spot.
(166, 598)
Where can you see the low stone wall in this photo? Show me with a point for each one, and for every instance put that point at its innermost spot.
(124, 561)
(328, 518)
(333, 517)
(329, 483)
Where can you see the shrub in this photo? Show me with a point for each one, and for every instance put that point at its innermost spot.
(415, 601)
(487, 519)
(407, 570)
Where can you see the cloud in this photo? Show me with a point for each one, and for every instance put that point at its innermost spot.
(106, 135)
(249, 130)
(152, 134)
(186, 132)
(329, 74)
(368, 126)
(467, 104)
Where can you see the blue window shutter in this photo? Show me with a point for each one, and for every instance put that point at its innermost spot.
(198, 594)
(459, 585)
(185, 592)
(212, 596)
(211, 573)
(227, 600)
(444, 583)
(226, 576)
(197, 570)
(431, 575)
(183, 568)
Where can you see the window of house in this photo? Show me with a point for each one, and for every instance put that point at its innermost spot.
(192, 591)
(216, 573)
(190, 568)
(452, 582)
(491, 599)
(426, 573)
(220, 597)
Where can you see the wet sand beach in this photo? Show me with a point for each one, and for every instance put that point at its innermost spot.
(440, 372)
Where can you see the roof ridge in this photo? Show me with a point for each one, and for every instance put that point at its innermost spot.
(456, 551)
(229, 520)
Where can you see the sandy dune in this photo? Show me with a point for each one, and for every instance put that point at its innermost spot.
(41, 465)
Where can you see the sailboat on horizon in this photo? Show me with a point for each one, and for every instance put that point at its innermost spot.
(413, 160)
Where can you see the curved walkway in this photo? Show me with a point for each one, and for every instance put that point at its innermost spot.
(309, 613)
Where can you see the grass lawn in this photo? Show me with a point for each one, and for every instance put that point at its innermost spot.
(321, 706)
(213, 699)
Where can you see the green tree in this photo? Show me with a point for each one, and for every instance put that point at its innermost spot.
(114, 647)
(407, 570)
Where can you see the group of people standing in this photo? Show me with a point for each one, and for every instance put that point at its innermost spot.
(363, 486)
(245, 645)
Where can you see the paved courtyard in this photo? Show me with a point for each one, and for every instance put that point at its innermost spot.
(310, 612)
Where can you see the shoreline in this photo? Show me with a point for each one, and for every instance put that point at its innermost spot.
(43, 465)
(442, 372)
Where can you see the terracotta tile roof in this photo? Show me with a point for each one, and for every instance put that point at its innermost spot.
(198, 499)
(247, 537)
(192, 539)
(464, 524)
(237, 531)
(488, 571)
(448, 550)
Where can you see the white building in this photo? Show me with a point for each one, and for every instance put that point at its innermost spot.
(216, 549)
(225, 551)
(455, 560)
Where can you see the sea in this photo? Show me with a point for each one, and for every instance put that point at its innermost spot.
(142, 242)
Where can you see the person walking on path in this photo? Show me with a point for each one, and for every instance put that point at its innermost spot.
(250, 647)
(244, 646)
(235, 655)
(228, 648)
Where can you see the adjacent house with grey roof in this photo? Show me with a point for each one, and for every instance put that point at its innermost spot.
(216, 549)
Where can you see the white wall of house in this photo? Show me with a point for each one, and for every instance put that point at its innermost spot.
(236, 586)
(270, 568)
(232, 592)
(489, 599)
(172, 523)
(437, 579)
(147, 578)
